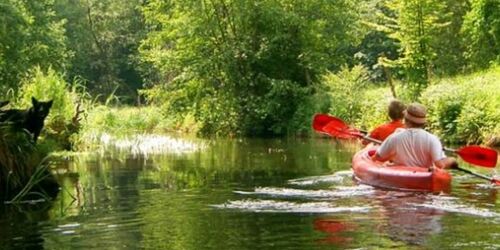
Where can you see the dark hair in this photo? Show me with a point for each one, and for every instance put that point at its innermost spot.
(396, 109)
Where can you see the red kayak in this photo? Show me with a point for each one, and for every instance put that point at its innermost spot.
(396, 177)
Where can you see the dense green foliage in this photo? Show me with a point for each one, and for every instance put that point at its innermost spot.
(248, 68)
(465, 109)
(250, 65)
(481, 30)
(345, 89)
(103, 37)
(30, 35)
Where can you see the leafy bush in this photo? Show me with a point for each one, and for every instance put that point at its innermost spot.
(478, 121)
(346, 90)
(444, 103)
(312, 104)
(465, 109)
(374, 105)
(51, 85)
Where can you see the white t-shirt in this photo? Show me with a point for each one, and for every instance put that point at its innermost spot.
(412, 147)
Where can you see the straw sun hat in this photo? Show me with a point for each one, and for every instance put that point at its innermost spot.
(416, 113)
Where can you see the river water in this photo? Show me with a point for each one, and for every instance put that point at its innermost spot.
(159, 192)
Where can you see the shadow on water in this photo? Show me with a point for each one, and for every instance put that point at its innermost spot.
(154, 192)
(20, 225)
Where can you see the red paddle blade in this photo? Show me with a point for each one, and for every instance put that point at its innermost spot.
(480, 156)
(334, 127)
(341, 131)
(321, 120)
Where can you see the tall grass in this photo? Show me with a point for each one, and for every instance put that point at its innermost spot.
(16, 151)
(118, 121)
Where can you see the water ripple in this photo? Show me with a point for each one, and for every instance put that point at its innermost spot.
(313, 180)
(452, 205)
(313, 194)
(271, 206)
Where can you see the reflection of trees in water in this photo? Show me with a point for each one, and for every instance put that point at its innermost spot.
(106, 191)
(133, 200)
(240, 161)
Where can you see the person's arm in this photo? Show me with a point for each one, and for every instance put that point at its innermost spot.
(440, 159)
(386, 151)
(377, 157)
(446, 162)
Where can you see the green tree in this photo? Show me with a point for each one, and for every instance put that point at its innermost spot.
(481, 31)
(416, 24)
(449, 59)
(244, 67)
(30, 35)
(375, 45)
(104, 37)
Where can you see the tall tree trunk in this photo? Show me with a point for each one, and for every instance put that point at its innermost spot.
(388, 74)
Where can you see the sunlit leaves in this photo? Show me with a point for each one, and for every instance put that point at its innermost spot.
(416, 24)
(481, 30)
(252, 62)
(30, 35)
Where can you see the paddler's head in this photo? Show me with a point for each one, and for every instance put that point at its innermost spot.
(415, 115)
(396, 110)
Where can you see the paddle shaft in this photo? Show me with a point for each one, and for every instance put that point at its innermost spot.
(368, 138)
(476, 174)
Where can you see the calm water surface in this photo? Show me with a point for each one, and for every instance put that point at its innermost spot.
(154, 192)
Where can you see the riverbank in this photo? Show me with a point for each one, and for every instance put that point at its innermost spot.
(462, 110)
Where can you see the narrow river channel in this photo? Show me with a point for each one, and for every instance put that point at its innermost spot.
(158, 192)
